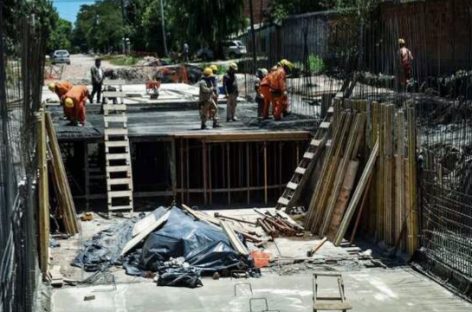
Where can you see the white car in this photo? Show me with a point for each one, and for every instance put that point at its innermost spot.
(60, 56)
(234, 48)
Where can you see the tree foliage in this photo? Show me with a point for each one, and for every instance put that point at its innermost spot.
(99, 27)
(61, 34)
(203, 23)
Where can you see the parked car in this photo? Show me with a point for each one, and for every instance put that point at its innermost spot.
(234, 48)
(205, 54)
(60, 56)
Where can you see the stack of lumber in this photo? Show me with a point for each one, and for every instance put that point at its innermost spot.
(278, 224)
(368, 176)
(65, 204)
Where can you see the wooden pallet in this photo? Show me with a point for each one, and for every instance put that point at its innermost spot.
(118, 158)
(305, 166)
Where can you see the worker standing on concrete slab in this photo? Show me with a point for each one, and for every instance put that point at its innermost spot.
(230, 85)
(278, 88)
(265, 90)
(205, 97)
(260, 75)
(406, 58)
(74, 100)
(213, 111)
(60, 88)
(97, 80)
(185, 51)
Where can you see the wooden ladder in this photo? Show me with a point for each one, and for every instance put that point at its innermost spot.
(118, 158)
(331, 303)
(305, 166)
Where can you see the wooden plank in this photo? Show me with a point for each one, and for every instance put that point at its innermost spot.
(124, 143)
(144, 233)
(57, 279)
(118, 168)
(355, 132)
(287, 218)
(412, 224)
(308, 155)
(118, 181)
(115, 118)
(343, 198)
(118, 156)
(43, 194)
(327, 183)
(311, 215)
(114, 107)
(113, 94)
(283, 201)
(114, 131)
(144, 223)
(361, 185)
(388, 175)
(266, 194)
(69, 208)
(292, 186)
(300, 170)
(123, 207)
(399, 176)
(233, 238)
(116, 194)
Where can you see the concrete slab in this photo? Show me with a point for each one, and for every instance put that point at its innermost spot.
(369, 290)
(287, 284)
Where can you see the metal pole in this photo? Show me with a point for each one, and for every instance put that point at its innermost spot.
(253, 37)
(163, 29)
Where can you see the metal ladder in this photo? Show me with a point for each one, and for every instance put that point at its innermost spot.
(330, 303)
(118, 158)
(310, 157)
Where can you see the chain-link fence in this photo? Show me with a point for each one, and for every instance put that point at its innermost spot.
(22, 38)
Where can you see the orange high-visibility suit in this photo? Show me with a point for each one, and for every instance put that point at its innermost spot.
(61, 88)
(278, 88)
(265, 90)
(79, 95)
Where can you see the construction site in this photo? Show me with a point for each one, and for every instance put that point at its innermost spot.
(359, 198)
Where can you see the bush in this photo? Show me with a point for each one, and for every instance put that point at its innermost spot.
(315, 64)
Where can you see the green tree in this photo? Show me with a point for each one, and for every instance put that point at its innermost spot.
(61, 35)
(100, 26)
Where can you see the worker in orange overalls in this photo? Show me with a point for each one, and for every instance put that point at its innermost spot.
(265, 91)
(278, 89)
(60, 88)
(260, 75)
(75, 101)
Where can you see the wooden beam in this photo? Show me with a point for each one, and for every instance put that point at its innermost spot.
(388, 174)
(360, 188)
(43, 193)
(412, 225)
(266, 194)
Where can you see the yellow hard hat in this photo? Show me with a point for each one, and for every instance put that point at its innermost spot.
(207, 72)
(52, 86)
(233, 66)
(286, 63)
(274, 68)
(214, 68)
(69, 103)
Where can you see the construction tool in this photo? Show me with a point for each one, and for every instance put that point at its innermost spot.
(330, 303)
(311, 252)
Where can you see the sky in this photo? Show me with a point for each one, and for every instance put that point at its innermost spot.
(68, 9)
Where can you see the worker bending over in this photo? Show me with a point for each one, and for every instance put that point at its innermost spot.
(278, 89)
(60, 88)
(230, 85)
(260, 75)
(206, 102)
(74, 100)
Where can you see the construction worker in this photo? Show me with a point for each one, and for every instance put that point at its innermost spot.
(74, 100)
(97, 80)
(60, 88)
(260, 74)
(265, 91)
(214, 81)
(230, 85)
(278, 88)
(205, 97)
(406, 58)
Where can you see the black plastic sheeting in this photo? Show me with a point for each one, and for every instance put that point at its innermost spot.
(204, 247)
